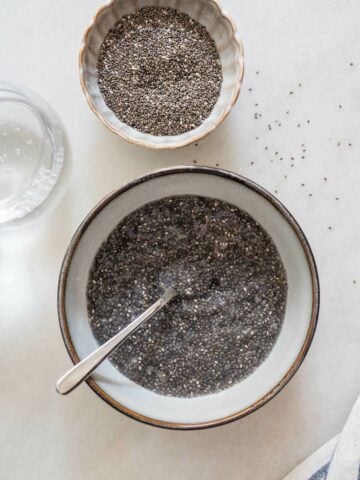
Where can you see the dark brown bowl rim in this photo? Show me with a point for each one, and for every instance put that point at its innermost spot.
(314, 279)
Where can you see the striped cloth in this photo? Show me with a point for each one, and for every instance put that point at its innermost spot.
(339, 459)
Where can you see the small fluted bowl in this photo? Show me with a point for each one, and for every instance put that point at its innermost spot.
(221, 29)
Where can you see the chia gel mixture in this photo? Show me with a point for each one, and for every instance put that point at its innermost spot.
(159, 71)
(232, 294)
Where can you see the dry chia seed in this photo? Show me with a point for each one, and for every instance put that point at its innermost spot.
(159, 71)
(232, 294)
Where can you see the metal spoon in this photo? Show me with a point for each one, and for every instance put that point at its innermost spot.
(83, 369)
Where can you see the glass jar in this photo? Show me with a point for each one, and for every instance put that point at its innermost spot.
(31, 151)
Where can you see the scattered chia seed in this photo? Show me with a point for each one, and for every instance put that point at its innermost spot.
(340, 106)
(232, 294)
(291, 92)
(159, 71)
(196, 144)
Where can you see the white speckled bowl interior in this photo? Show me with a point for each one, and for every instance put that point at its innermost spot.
(295, 336)
(221, 29)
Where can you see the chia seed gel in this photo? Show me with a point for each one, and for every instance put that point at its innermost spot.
(159, 71)
(232, 294)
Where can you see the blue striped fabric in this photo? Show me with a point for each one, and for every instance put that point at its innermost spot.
(321, 474)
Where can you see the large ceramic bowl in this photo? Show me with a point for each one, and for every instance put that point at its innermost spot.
(300, 317)
(221, 29)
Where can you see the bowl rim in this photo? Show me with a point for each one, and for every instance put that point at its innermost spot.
(309, 257)
(151, 143)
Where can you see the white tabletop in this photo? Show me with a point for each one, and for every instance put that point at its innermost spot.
(45, 436)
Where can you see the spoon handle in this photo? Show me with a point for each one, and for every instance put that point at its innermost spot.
(79, 372)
